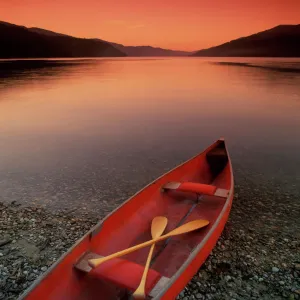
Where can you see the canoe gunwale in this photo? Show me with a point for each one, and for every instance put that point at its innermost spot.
(97, 228)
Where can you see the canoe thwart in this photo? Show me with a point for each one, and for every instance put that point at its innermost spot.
(198, 188)
(122, 273)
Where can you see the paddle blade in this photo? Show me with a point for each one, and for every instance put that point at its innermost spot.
(158, 226)
(190, 226)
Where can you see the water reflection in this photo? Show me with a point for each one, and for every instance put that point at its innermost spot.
(292, 68)
(84, 131)
(16, 73)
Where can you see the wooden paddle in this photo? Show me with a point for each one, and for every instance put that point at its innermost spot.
(188, 227)
(158, 226)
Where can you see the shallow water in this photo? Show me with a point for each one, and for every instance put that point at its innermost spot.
(89, 133)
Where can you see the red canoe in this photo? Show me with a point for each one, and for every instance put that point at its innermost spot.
(201, 188)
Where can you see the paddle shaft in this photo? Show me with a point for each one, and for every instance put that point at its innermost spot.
(140, 291)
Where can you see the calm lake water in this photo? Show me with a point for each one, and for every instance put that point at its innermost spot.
(89, 133)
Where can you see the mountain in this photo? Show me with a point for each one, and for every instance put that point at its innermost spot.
(149, 51)
(128, 50)
(22, 42)
(139, 51)
(47, 32)
(280, 41)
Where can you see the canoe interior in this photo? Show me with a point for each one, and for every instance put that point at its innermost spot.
(131, 223)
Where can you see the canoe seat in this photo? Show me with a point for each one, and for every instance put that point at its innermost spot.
(198, 188)
(122, 273)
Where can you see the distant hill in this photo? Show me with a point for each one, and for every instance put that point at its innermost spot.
(128, 50)
(22, 42)
(47, 32)
(280, 41)
(149, 51)
(139, 51)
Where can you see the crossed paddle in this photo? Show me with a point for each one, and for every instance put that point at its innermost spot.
(157, 228)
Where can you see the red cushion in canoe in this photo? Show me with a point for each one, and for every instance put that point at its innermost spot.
(198, 188)
(125, 274)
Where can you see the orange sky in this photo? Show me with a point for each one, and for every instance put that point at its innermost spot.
(175, 24)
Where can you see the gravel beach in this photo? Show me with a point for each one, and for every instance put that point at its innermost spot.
(257, 256)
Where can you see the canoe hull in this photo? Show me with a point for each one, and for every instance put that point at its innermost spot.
(179, 260)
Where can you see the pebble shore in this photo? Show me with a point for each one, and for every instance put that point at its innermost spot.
(257, 256)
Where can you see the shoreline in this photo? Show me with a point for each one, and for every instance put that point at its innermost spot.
(253, 259)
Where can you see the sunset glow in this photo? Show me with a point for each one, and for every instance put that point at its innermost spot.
(175, 24)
